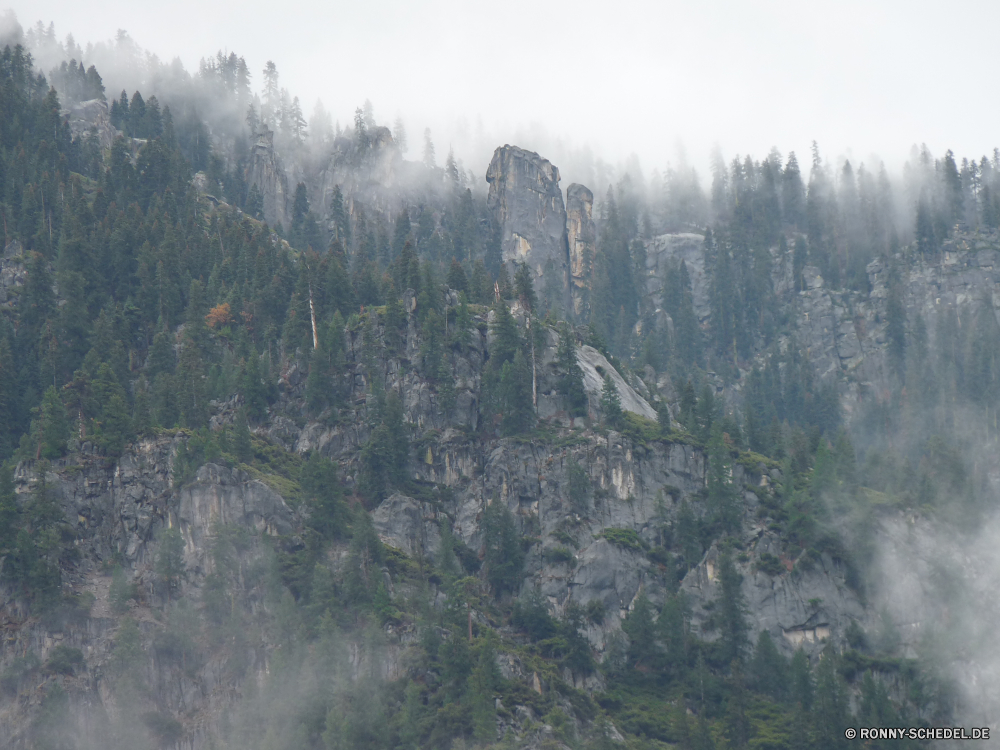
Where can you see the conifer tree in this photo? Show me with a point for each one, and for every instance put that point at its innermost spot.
(830, 710)
(524, 287)
(170, 566)
(641, 631)
(571, 376)
(769, 670)
(241, 438)
(611, 405)
(515, 394)
(673, 631)
(723, 499)
(504, 557)
(801, 680)
(483, 682)
(732, 609)
(52, 425)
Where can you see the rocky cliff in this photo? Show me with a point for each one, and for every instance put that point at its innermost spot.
(582, 238)
(527, 204)
(600, 544)
(265, 170)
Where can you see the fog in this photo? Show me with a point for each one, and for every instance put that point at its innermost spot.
(856, 77)
(652, 92)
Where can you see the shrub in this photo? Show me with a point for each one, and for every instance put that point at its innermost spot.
(770, 564)
(625, 538)
(558, 555)
(121, 592)
(64, 659)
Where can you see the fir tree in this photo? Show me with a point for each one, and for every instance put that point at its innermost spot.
(732, 609)
(641, 631)
(611, 405)
(170, 567)
(504, 557)
(571, 376)
(241, 438)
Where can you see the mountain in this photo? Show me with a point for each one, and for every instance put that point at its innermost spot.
(308, 445)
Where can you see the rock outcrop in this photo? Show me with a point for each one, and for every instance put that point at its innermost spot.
(844, 331)
(672, 249)
(527, 204)
(91, 117)
(582, 237)
(265, 171)
(12, 272)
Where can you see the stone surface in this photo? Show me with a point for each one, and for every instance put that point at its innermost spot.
(672, 249)
(595, 366)
(88, 116)
(12, 273)
(527, 204)
(265, 170)
(408, 525)
(582, 240)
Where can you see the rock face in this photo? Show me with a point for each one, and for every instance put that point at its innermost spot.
(408, 525)
(84, 117)
(582, 237)
(12, 272)
(527, 204)
(264, 170)
(599, 544)
(845, 331)
(595, 366)
(672, 249)
(116, 514)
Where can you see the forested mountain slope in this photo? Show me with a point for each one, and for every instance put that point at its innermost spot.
(307, 445)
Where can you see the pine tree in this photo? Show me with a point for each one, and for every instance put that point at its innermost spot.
(896, 328)
(504, 557)
(515, 389)
(116, 426)
(242, 446)
(483, 682)
(170, 567)
(322, 487)
(673, 631)
(641, 631)
(428, 149)
(663, 418)
(737, 723)
(830, 711)
(769, 669)
(506, 339)
(524, 287)
(732, 610)
(801, 680)
(570, 374)
(52, 425)
(723, 499)
(611, 405)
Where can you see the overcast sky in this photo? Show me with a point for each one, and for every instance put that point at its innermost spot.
(858, 76)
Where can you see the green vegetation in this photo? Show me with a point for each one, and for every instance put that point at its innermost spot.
(626, 539)
(150, 310)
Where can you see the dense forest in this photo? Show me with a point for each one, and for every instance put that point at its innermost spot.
(147, 302)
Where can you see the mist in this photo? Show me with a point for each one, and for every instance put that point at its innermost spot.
(790, 263)
(855, 78)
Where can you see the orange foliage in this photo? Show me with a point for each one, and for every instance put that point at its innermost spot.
(218, 316)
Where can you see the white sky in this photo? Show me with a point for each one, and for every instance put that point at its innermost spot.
(858, 76)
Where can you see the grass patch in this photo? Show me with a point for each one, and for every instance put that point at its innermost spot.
(625, 538)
